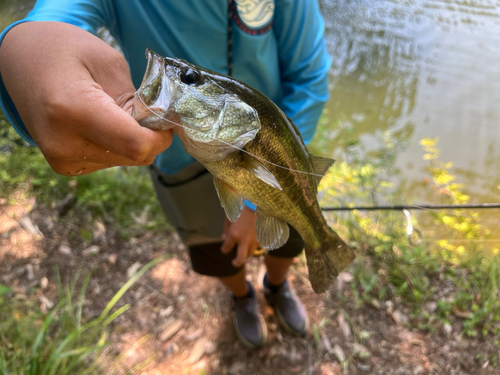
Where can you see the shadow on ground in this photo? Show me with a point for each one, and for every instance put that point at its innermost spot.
(181, 323)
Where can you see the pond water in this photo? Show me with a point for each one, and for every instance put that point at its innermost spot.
(422, 68)
(414, 68)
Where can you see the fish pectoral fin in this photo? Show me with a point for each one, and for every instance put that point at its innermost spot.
(272, 233)
(260, 171)
(230, 200)
(321, 166)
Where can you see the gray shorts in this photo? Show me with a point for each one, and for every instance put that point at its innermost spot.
(190, 202)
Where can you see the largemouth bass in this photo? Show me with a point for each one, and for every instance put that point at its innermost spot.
(252, 149)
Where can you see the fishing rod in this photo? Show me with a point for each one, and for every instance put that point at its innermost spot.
(410, 230)
(414, 207)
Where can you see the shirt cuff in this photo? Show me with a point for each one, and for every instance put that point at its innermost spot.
(250, 205)
(6, 103)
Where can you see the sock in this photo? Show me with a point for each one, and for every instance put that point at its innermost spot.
(271, 287)
(250, 293)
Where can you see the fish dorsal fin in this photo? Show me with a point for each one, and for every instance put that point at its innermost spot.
(260, 171)
(230, 200)
(321, 166)
(272, 233)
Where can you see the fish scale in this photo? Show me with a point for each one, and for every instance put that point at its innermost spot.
(262, 157)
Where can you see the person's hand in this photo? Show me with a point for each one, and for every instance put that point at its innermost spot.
(74, 94)
(242, 234)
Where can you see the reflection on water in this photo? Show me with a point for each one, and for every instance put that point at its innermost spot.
(419, 69)
(416, 68)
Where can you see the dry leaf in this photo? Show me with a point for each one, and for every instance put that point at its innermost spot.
(171, 329)
(44, 283)
(460, 313)
(65, 250)
(399, 317)
(29, 227)
(210, 347)
(194, 335)
(344, 326)
(132, 270)
(47, 302)
(199, 348)
(112, 258)
(346, 277)
(30, 275)
(360, 351)
(339, 353)
(91, 250)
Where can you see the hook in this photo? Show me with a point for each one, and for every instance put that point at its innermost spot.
(410, 230)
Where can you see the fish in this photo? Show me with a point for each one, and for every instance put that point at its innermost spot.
(253, 151)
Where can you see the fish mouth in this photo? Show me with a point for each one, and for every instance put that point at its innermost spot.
(153, 98)
(152, 117)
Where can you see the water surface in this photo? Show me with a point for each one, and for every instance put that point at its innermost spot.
(418, 69)
(421, 68)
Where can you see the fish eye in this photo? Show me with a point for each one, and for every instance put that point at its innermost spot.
(190, 77)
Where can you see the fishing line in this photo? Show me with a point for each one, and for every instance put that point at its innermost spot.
(229, 144)
(409, 206)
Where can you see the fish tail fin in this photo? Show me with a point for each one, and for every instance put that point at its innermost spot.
(325, 262)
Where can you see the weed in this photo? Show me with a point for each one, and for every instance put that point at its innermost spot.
(461, 276)
(61, 342)
(122, 195)
(316, 330)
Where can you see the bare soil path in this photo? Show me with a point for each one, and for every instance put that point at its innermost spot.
(180, 323)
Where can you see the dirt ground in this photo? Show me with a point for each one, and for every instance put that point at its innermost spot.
(180, 323)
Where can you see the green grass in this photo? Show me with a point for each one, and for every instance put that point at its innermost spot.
(390, 268)
(118, 195)
(62, 341)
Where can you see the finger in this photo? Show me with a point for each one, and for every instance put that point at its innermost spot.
(228, 244)
(227, 224)
(83, 151)
(110, 127)
(66, 168)
(241, 255)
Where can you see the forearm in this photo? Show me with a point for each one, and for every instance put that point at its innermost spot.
(73, 92)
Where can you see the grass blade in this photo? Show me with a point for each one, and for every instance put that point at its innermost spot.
(129, 283)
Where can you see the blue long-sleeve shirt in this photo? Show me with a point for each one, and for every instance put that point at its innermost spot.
(278, 49)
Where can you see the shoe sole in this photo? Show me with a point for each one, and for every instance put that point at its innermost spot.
(243, 340)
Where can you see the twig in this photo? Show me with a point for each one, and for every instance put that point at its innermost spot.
(159, 294)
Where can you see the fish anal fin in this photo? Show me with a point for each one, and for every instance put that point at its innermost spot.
(272, 233)
(321, 166)
(230, 200)
(259, 170)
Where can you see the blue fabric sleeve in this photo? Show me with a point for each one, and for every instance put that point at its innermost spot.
(304, 62)
(7, 105)
(88, 15)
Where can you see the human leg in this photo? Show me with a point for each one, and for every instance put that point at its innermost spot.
(277, 268)
(237, 284)
(288, 309)
(190, 202)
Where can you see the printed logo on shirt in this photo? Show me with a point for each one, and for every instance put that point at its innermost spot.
(254, 17)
